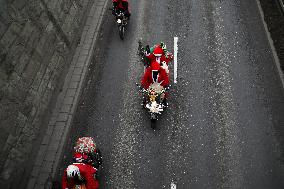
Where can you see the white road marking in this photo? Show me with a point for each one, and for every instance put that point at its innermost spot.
(173, 186)
(175, 58)
(274, 53)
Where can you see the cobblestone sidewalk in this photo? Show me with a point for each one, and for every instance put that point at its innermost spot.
(48, 156)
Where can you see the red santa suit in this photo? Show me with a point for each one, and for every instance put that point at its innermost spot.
(122, 5)
(87, 172)
(155, 73)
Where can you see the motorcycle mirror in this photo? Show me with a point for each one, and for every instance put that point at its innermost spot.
(167, 88)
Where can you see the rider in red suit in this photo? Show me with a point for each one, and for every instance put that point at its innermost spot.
(121, 5)
(154, 73)
(161, 57)
(79, 173)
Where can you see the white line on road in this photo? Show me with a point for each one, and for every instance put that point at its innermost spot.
(274, 53)
(173, 186)
(175, 58)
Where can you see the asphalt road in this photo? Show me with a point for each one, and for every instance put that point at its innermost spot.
(225, 124)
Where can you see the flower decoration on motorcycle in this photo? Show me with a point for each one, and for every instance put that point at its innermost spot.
(85, 145)
(152, 98)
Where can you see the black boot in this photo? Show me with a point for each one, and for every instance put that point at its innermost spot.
(165, 103)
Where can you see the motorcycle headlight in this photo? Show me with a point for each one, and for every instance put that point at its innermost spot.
(119, 21)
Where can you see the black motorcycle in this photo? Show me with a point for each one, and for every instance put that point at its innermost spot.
(121, 21)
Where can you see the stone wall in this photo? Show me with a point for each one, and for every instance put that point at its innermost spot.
(37, 39)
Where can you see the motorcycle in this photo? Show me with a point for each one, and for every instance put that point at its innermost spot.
(154, 101)
(121, 21)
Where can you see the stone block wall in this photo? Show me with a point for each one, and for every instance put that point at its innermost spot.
(37, 40)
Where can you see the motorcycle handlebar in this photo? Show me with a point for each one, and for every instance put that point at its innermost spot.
(141, 89)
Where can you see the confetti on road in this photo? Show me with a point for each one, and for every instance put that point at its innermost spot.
(173, 186)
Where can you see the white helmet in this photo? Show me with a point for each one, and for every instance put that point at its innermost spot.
(72, 171)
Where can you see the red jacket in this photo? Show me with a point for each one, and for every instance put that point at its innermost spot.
(123, 4)
(147, 79)
(87, 172)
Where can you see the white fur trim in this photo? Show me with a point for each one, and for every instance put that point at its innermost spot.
(165, 67)
(158, 54)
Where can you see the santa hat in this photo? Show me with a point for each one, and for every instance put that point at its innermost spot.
(158, 51)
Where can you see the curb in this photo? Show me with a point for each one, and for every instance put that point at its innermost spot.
(281, 6)
(273, 50)
(51, 148)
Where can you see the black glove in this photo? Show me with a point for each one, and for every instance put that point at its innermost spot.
(147, 48)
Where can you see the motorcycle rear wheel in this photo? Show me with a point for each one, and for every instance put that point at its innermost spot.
(153, 120)
(153, 123)
(121, 32)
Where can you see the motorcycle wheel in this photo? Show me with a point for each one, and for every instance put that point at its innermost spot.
(153, 123)
(153, 120)
(121, 32)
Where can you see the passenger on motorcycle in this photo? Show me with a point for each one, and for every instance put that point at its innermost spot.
(159, 54)
(79, 173)
(121, 5)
